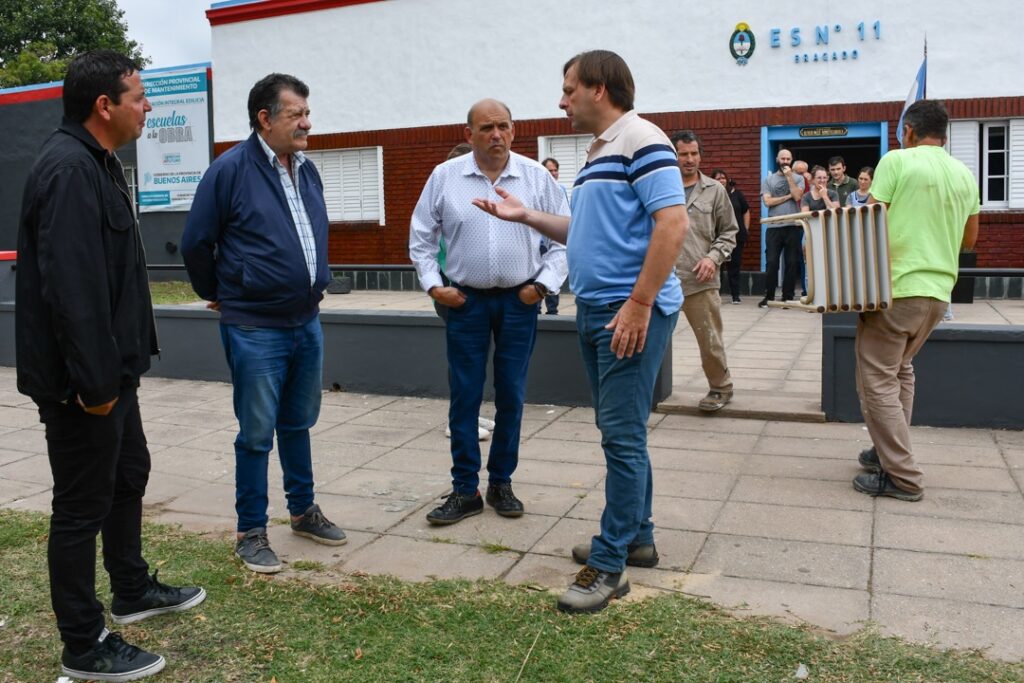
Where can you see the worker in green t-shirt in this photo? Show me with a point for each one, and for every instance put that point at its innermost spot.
(932, 202)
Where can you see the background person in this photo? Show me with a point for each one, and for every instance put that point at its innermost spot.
(859, 197)
(838, 180)
(742, 211)
(781, 192)
(820, 197)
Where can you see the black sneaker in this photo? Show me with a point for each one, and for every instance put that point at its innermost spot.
(315, 526)
(640, 555)
(504, 502)
(592, 589)
(255, 552)
(879, 484)
(111, 659)
(158, 599)
(763, 303)
(456, 508)
(868, 459)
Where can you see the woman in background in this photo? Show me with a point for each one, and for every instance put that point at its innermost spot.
(859, 197)
(742, 211)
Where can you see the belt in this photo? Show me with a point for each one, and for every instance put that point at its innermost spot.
(491, 291)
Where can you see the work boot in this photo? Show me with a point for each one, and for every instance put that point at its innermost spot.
(641, 555)
(592, 589)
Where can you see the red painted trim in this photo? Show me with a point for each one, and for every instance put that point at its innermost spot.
(273, 8)
(8, 256)
(32, 95)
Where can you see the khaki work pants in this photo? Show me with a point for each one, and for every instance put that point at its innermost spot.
(703, 310)
(886, 344)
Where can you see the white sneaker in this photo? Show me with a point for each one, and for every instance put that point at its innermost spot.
(484, 423)
(481, 433)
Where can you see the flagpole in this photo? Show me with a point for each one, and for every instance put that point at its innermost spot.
(925, 87)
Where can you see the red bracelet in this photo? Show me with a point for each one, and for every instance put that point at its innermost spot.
(635, 300)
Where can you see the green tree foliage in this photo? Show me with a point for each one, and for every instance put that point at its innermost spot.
(39, 37)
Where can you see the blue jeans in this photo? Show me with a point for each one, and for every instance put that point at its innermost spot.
(622, 393)
(470, 327)
(277, 376)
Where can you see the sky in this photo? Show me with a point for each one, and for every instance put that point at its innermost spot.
(171, 33)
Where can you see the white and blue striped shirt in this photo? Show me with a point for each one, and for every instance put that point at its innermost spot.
(303, 227)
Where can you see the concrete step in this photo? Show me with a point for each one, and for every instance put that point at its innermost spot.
(754, 405)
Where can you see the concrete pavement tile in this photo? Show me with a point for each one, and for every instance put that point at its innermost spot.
(182, 397)
(846, 527)
(546, 500)
(380, 436)
(677, 549)
(342, 414)
(356, 400)
(702, 441)
(199, 465)
(197, 523)
(547, 571)
(40, 500)
(18, 417)
(949, 577)
(386, 485)
(564, 534)
(828, 430)
(1014, 457)
(712, 423)
(954, 536)
(579, 414)
(31, 440)
(376, 515)
(840, 610)
(805, 376)
(322, 426)
(799, 387)
(11, 491)
(949, 624)
(435, 440)
(528, 428)
(538, 411)
(754, 360)
(1009, 437)
(221, 406)
(338, 454)
(565, 474)
(696, 461)
(555, 450)
(800, 492)
(741, 375)
(969, 478)
(163, 487)
(292, 548)
(669, 512)
(952, 436)
(222, 441)
(174, 435)
(826, 469)
(213, 500)
(207, 419)
(819, 564)
(35, 469)
(811, 447)
(409, 404)
(957, 454)
(487, 528)
(568, 430)
(394, 418)
(414, 460)
(413, 560)
(703, 485)
(7, 457)
(981, 505)
(12, 397)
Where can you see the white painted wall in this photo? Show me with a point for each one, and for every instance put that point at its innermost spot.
(408, 63)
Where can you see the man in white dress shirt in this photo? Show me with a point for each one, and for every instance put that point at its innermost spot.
(498, 277)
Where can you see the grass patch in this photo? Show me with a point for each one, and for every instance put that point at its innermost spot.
(307, 565)
(495, 548)
(441, 539)
(255, 628)
(172, 292)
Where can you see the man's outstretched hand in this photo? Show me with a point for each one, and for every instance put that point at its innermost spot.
(509, 209)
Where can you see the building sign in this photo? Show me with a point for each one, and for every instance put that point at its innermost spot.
(174, 150)
(823, 132)
(826, 42)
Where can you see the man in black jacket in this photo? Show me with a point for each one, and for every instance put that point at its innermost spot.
(85, 333)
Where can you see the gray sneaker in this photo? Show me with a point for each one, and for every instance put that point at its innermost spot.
(592, 589)
(868, 460)
(254, 551)
(638, 555)
(879, 484)
(315, 526)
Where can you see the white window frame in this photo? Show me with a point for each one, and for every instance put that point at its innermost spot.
(131, 177)
(569, 163)
(353, 183)
(985, 176)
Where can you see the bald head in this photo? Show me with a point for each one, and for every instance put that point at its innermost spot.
(488, 105)
(800, 166)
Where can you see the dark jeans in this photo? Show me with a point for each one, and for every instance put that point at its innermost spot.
(622, 390)
(100, 468)
(277, 373)
(513, 326)
(778, 240)
(732, 271)
(551, 304)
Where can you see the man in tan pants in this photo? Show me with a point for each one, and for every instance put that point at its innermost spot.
(932, 202)
(709, 243)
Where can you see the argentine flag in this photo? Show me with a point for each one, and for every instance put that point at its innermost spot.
(917, 92)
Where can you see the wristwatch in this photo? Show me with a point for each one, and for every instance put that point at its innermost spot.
(541, 289)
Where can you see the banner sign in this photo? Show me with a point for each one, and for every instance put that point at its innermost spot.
(174, 150)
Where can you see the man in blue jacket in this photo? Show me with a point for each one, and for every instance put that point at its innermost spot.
(255, 246)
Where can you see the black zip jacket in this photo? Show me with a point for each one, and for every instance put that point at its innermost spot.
(83, 316)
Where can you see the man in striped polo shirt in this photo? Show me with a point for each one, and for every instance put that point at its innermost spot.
(627, 228)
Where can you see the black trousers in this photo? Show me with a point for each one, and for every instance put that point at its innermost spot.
(732, 269)
(778, 240)
(100, 469)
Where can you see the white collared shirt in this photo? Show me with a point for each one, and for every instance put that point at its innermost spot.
(484, 251)
(303, 227)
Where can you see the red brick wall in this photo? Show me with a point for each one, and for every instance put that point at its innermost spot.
(732, 140)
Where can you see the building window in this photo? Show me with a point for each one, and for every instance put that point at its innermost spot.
(994, 169)
(133, 185)
(571, 153)
(353, 184)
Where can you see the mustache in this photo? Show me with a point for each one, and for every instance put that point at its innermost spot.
(300, 134)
